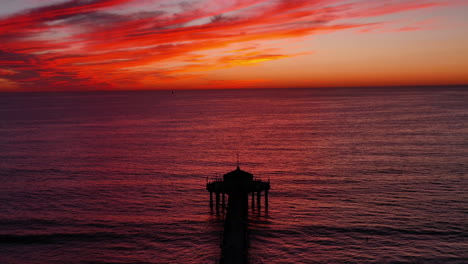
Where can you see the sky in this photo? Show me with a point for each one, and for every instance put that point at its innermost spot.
(68, 45)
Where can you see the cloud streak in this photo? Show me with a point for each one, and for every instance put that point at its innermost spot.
(113, 44)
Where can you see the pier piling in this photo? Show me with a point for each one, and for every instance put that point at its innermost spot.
(211, 200)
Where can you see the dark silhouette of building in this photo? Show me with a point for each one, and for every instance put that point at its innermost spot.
(237, 184)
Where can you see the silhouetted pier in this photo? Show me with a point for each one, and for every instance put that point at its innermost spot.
(237, 184)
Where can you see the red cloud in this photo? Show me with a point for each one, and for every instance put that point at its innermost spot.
(90, 44)
(6, 72)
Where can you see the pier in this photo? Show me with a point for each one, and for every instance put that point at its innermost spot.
(237, 185)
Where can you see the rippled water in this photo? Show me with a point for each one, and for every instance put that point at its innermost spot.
(357, 175)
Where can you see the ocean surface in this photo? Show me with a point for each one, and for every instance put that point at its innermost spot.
(375, 175)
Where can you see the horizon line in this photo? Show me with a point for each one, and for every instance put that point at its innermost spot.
(244, 88)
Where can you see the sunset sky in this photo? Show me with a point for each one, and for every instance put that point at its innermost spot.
(152, 44)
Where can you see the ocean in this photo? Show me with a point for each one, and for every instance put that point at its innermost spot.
(358, 175)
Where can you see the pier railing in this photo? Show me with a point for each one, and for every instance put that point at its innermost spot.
(210, 179)
(262, 179)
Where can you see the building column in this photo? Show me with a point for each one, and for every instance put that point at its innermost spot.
(266, 199)
(217, 201)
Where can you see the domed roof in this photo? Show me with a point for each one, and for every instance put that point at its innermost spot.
(238, 175)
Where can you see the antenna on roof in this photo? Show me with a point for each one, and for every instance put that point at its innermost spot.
(238, 160)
